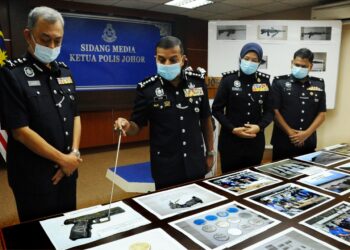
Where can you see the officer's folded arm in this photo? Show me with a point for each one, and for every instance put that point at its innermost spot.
(38, 145)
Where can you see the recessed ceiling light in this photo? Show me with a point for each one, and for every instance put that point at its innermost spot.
(189, 4)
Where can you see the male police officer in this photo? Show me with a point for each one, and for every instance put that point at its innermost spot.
(175, 102)
(39, 109)
(300, 106)
(243, 108)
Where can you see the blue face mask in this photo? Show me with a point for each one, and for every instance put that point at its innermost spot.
(169, 72)
(248, 67)
(45, 54)
(299, 72)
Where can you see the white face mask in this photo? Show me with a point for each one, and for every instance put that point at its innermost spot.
(45, 54)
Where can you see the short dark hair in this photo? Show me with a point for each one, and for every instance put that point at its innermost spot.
(304, 53)
(168, 42)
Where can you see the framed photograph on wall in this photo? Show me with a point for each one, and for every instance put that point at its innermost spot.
(231, 32)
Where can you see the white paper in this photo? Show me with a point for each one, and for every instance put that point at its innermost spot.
(59, 233)
(235, 226)
(158, 203)
(291, 238)
(312, 170)
(156, 238)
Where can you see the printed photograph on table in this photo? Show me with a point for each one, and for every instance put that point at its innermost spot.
(224, 226)
(178, 200)
(323, 158)
(332, 181)
(268, 32)
(316, 33)
(291, 239)
(242, 182)
(287, 169)
(82, 226)
(345, 167)
(155, 239)
(231, 32)
(334, 222)
(289, 200)
(343, 149)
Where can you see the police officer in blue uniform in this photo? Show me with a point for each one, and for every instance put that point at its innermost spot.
(300, 106)
(39, 110)
(243, 107)
(175, 103)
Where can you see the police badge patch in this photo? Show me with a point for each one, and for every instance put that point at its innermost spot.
(237, 84)
(159, 92)
(29, 72)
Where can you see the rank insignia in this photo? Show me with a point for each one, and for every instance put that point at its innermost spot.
(167, 103)
(159, 92)
(288, 85)
(193, 92)
(191, 85)
(237, 84)
(65, 80)
(258, 79)
(260, 87)
(29, 71)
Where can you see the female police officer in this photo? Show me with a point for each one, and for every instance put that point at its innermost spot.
(243, 108)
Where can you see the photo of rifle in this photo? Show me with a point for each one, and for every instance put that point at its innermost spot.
(82, 224)
(272, 31)
(229, 31)
(311, 34)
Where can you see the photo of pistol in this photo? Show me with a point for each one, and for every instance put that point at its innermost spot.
(82, 224)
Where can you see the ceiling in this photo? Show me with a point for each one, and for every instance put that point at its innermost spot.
(219, 10)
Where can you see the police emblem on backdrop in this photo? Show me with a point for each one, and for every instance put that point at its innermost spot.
(109, 34)
(29, 71)
(159, 92)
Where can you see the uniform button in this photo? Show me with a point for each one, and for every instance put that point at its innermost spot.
(158, 153)
(303, 103)
(236, 93)
(38, 92)
(185, 155)
(261, 96)
(183, 130)
(248, 103)
(300, 128)
(303, 111)
(249, 94)
(181, 118)
(177, 92)
(68, 148)
(302, 94)
(55, 91)
(303, 86)
(67, 133)
(64, 119)
(288, 93)
(68, 90)
(161, 107)
(248, 122)
(50, 77)
(248, 113)
(184, 143)
(248, 85)
(301, 120)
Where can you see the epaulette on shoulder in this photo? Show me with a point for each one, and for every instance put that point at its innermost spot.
(194, 74)
(63, 65)
(227, 73)
(316, 79)
(147, 81)
(281, 77)
(15, 63)
(260, 74)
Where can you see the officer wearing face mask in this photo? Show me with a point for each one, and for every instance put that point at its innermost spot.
(299, 102)
(39, 110)
(175, 104)
(243, 107)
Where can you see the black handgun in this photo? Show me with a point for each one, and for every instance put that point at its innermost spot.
(82, 224)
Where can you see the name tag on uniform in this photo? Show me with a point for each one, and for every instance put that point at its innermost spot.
(193, 92)
(260, 87)
(314, 88)
(65, 80)
(34, 83)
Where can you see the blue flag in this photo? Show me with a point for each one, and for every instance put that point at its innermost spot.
(3, 54)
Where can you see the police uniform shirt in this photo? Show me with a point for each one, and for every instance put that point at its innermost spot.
(45, 101)
(243, 99)
(174, 114)
(299, 104)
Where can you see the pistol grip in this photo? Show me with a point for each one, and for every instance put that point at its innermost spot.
(81, 230)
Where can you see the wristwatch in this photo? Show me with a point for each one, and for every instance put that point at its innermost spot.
(211, 153)
(76, 152)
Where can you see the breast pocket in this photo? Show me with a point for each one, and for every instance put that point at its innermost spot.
(40, 102)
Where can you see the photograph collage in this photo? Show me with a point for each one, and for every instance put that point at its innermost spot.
(227, 222)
